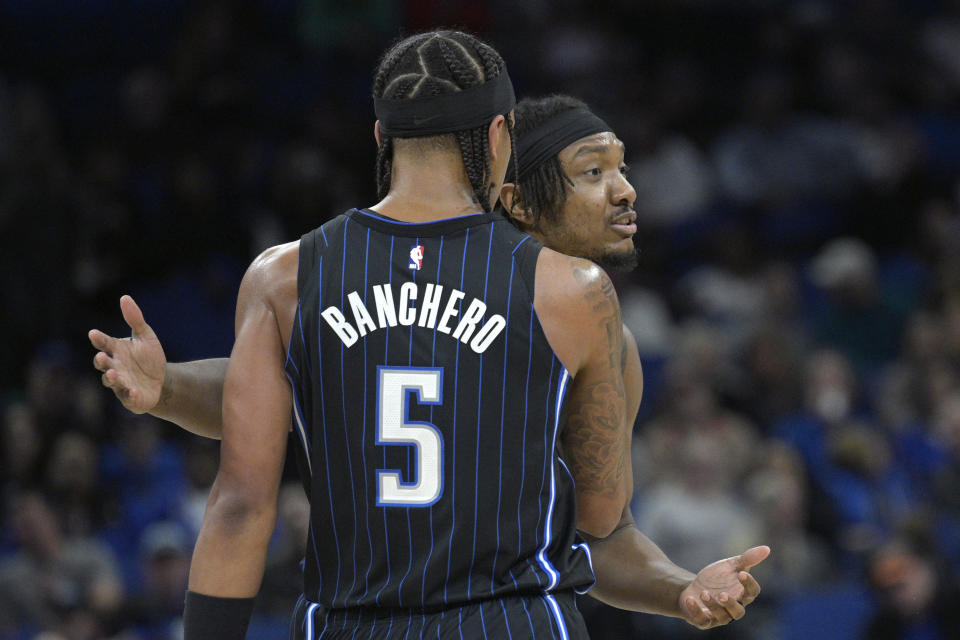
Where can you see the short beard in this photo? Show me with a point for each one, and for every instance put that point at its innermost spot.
(619, 262)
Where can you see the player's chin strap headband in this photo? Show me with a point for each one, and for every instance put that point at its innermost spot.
(546, 140)
(432, 115)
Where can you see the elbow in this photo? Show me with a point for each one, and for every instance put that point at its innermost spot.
(236, 513)
(599, 518)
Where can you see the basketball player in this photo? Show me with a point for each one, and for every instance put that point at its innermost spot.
(572, 195)
(632, 573)
(427, 350)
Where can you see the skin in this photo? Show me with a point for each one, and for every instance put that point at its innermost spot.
(230, 553)
(632, 572)
(597, 220)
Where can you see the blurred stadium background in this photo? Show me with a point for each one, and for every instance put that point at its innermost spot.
(797, 305)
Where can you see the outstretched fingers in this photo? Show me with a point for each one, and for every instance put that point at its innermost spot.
(102, 362)
(133, 316)
(102, 341)
(752, 557)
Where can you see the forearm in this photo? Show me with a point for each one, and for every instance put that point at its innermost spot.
(634, 574)
(192, 396)
(230, 554)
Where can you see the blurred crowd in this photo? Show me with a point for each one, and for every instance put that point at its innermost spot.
(797, 304)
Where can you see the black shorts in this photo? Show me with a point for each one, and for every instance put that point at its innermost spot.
(542, 617)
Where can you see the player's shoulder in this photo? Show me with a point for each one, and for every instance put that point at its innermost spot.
(274, 270)
(277, 258)
(572, 278)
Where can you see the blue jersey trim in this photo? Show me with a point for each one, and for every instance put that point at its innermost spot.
(370, 214)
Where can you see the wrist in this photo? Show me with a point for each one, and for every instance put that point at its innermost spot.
(211, 617)
(166, 388)
(676, 581)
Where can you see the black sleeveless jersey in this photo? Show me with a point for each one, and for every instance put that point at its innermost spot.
(428, 405)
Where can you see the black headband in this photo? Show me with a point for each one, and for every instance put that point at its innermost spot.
(429, 116)
(549, 137)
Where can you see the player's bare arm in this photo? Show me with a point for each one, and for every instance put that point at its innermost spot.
(580, 314)
(229, 557)
(136, 370)
(633, 573)
(633, 393)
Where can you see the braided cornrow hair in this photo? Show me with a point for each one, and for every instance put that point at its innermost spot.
(436, 63)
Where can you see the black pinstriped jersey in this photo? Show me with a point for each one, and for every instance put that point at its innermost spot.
(428, 405)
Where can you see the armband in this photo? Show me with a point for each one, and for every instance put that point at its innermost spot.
(210, 617)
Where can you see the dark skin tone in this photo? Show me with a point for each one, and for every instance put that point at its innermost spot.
(595, 222)
(230, 553)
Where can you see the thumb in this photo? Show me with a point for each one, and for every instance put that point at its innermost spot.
(134, 317)
(752, 557)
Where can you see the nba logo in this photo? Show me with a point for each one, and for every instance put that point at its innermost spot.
(416, 257)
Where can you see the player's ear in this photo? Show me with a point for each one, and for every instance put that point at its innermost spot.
(510, 198)
(497, 135)
(376, 134)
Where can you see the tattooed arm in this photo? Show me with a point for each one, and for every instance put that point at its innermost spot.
(580, 314)
(634, 574)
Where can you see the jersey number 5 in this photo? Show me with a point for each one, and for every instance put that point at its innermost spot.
(395, 387)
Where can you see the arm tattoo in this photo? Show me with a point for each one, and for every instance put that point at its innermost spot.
(593, 436)
(593, 441)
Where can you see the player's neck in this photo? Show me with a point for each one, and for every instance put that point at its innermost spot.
(428, 188)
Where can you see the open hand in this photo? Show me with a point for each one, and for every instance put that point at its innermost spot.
(721, 590)
(134, 367)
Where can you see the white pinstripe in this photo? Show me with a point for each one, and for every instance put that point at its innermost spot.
(556, 612)
(548, 534)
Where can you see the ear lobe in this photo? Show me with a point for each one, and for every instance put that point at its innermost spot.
(376, 134)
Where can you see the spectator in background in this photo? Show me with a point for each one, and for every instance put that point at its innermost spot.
(54, 577)
(787, 163)
(946, 477)
(905, 397)
(946, 427)
(779, 492)
(869, 489)
(22, 444)
(698, 514)
(728, 288)
(691, 408)
(918, 600)
(145, 480)
(697, 511)
(154, 610)
(773, 385)
(951, 328)
(830, 396)
(856, 317)
(201, 460)
(939, 235)
(71, 482)
(673, 178)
